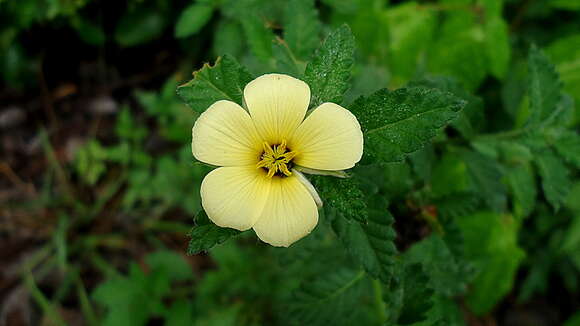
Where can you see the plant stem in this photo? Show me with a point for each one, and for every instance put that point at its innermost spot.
(379, 303)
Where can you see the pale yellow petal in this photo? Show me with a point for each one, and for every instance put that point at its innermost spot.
(225, 135)
(277, 104)
(234, 197)
(330, 138)
(290, 213)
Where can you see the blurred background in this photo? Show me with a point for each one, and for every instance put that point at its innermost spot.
(98, 187)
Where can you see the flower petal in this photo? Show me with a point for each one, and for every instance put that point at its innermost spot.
(277, 104)
(330, 138)
(290, 213)
(225, 135)
(234, 197)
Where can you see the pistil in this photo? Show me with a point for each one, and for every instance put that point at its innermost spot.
(276, 159)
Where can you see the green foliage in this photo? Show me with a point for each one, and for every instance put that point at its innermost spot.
(133, 299)
(259, 36)
(301, 28)
(205, 235)
(436, 224)
(409, 296)
(328, 73)
(400, 122)
(486, 175)
(544, 87)
(410, 32)
(491, 243)
(192, 19)
(343, 196)
(555, 179)
(522, 182)
(225, 80)
(139, 26)
(447, 274)
(370, 243)
(329, 298)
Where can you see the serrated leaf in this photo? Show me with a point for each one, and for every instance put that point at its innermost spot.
(486, 175)
(329, 299)
(522, 182)
(408, 297)
(205, 235)
(544, 87)
(445, 312)
(555, 177)
(192, 19)
(400, 122)
(471, 118)
(302, 27)
(225, 80)
(259, 37)
(371, 244)
(343, 195)
(447, 276)
(328, 73)
(457, 205)
(568, 147)
(286, 61)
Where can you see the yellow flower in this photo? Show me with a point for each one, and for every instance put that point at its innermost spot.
(259, 150)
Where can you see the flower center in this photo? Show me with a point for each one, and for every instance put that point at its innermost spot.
(277, 159)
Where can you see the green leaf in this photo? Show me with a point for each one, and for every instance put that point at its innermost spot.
(555, 177)
(90, 162)
(180, 314)
(400, 122)
(328, 73)
(491, 243)
(225, 80)
(170, 263)
(471, 118)
(573, 320)
(447, 275)
(486, 179)
(544, 87)
(567, 5)
(342, 195)
(205, 235)
(410, 32)
(329, 299)
(497, 46)
(127, 128)
(302, 27)
(259, 36)
(343, 6)
(286, 62)
(459, 50)
(568, 146)
(450, 176)
(371, 244)
(192, 19)
(408, 297)
(565, 53)
(88, 31)
(139, 26)
(228, 38)
(522, 182)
